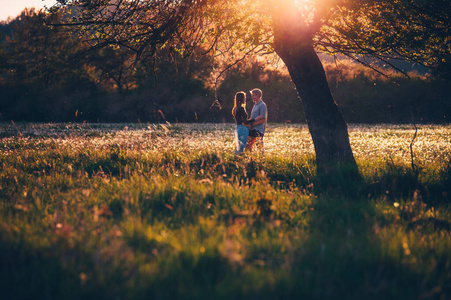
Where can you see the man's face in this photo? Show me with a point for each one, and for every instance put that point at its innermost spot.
(255, 97)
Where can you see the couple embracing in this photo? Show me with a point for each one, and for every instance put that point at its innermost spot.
(249, 131)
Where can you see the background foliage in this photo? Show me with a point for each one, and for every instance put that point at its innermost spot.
(43, 79)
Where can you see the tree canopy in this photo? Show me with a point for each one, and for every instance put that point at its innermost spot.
(415, 30)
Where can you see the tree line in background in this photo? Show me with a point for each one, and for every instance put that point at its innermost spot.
(43, 78)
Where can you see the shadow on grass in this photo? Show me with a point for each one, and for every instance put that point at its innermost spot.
(343, 258)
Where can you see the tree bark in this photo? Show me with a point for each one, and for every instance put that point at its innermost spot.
(325, 122)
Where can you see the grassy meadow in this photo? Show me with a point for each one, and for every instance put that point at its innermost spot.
(145, 211)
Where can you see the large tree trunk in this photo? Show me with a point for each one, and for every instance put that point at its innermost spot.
(325, 121)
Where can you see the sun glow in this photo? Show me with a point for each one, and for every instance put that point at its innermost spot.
(295, 13)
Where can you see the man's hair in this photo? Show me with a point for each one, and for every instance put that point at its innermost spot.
(257, 91)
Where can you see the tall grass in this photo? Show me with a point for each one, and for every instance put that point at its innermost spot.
(137, 211)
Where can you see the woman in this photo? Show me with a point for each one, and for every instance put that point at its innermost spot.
(240, 114)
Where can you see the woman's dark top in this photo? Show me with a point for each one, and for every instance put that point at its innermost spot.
(240, 115)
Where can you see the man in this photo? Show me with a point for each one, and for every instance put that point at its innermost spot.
(257, 123)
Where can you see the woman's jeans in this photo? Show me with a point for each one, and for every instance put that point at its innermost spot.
(241, 135)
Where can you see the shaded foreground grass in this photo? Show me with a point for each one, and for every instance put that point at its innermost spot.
(89, 213)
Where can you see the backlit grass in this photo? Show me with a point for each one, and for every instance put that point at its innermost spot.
(136, 211)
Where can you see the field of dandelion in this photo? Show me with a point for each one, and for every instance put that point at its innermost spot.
(167, 211)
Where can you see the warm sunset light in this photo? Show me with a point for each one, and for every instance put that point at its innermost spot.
(225, 149)
(299, 12)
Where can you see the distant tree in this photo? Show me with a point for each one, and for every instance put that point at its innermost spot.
(113, 68)
(36, 69)
(38, 55)
(175, 87)
(415, 30)
(366, 96)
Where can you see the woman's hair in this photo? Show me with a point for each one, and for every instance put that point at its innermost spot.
(239, 100)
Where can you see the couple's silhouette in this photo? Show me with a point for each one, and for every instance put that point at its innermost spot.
(249, 131)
